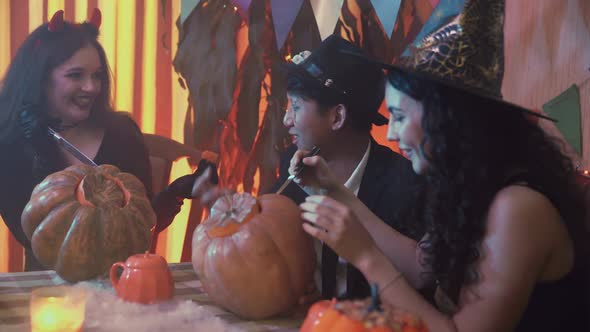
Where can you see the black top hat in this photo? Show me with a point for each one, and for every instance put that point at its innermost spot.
(331, 68)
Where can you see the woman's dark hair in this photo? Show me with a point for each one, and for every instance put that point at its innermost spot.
(473, 148)
(24, 84)
(360, 108)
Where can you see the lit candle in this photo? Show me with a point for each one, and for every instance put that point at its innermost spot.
(57, 309)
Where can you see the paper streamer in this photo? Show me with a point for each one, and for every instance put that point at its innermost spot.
(326, 14)
(186, 8)
(284, 13)
(387, 11)
(565, 108)
(433, 3)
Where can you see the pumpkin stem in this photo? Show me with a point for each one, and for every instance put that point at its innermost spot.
(232, 211)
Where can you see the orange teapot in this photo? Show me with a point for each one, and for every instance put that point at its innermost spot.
(145, 279)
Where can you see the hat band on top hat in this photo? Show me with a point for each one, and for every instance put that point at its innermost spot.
(302, 61)
(326, 69)
(314, 71)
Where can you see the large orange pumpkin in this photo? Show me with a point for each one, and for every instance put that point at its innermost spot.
(83, 219)
(357, 316)
(252, 255)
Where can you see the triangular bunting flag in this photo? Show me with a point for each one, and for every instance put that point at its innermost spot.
(186, 8)
(387, 11)
(442, 14)
(566, 109)
(326, 14)
(242, 7)
(284, 13)
(433, 3)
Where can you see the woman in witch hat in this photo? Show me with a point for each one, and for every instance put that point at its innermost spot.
(505, 234)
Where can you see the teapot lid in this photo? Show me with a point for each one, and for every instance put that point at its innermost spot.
(146, 261)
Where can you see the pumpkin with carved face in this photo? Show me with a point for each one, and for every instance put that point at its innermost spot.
(83, 219)
(252, 256)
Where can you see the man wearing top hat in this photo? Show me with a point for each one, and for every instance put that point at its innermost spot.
(333, 102)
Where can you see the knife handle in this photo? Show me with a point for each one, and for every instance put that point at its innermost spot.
(301, 166)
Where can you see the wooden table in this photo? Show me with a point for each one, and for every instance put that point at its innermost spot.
(15, 290)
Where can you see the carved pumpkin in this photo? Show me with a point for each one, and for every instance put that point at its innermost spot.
(356, 316)
(83, 219)
(252, 255)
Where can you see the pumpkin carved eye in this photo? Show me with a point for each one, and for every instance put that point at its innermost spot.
(83, 219)
(102, 190)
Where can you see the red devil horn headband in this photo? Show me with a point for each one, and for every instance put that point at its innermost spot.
(57, 20)
(96, 18)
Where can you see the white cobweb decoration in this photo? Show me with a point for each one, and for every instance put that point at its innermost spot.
(107, 312)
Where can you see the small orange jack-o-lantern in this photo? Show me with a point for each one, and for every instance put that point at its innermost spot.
(359, 316)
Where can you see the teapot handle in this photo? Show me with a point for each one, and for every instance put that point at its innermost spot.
(113, 274)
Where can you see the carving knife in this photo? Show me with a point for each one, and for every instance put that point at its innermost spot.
(71, 148)
(290, 179)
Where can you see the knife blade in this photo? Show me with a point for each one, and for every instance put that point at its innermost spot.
(314, 151)
(71, 148)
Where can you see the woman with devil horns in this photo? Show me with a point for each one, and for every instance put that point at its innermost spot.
(59, 79)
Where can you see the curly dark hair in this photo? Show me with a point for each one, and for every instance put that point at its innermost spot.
(474, 147)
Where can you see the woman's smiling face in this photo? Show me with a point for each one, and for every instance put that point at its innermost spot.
(405, 126)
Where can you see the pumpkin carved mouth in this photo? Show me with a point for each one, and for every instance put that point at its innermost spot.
(230, 212)
(102, 190)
